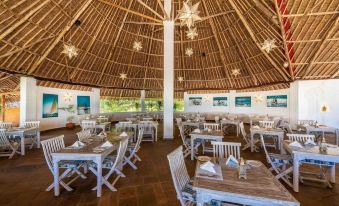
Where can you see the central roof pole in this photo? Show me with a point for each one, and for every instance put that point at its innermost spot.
(168, 93)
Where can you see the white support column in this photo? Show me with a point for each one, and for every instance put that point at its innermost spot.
(142, 99)
(95, 101)
(28, 99)
(168, 73)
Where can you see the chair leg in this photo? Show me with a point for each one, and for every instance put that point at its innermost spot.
(80, 173)
(128, 161)
(137, 157)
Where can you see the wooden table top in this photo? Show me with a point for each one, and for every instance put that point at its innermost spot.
(332, 150)
(206, 133)
(260, 184)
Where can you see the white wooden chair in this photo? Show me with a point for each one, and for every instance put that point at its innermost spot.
(71, 167)
(266, 124)
(212, 126)
(225, 149)
(89, 125)
(84, 135)
(124, 126)
(280, 164)
(307, 122)
(187, 142)
(149, 130)
(247, 138)
(300, 137)
(7, 147)
(114, 163)
(6, 125)
(182, 184)
(147, 119)
(132, 150)
(34, 134)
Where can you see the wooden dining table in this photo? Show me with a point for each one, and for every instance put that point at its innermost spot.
(84, 153)
(205, 135)
(22, 132)
(260, 188)
(267, 131)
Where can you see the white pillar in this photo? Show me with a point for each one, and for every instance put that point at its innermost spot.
(28, 99)
(95, 101)
(168, 78)
(142, 99)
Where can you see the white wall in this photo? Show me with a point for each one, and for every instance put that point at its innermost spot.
(259, 108)
(315, 93)
(60, 121)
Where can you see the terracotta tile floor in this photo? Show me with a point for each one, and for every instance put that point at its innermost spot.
(23, 180)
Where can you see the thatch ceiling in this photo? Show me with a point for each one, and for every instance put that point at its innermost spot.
(32, 34)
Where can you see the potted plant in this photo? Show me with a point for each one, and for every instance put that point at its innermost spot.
(70, 120)
(70, 124)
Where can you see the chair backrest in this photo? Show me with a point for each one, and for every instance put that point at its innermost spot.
(182, 135)
(147, 119)
(212, 126)
(225, 149)
(266, 124)
(300, 137)
(88, 125)
(287, 127)
(52, 145)
(140, 136)
(30, 124)
(217, 119)
(309, 122)
(243, 132)
(178, 171)
(148, 126)
(179, 120)
(102, 119)
(121, 152)
(84, 135)
(6, 125)
(4, 142)
(265, 150)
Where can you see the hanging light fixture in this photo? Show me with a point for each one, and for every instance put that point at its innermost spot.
(191, 33)
(137, 45)
(258, 98)
(123, 76)
(268, 45)
(235, 72)
(69, 49)
(180, 79)
(189, 14)
(189, 52)
(67, 97)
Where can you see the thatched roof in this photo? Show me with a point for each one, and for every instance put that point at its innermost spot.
(33, 32)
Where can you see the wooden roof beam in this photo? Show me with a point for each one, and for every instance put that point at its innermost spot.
(24, 19)
(60, 36)
(281, 70)
(150, 9)
(321, 44)
(221, 52)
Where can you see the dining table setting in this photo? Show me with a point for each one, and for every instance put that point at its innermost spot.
(245, 182)
(277, 132)
(22, 132)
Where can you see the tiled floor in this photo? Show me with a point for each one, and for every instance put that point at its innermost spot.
(23, 180)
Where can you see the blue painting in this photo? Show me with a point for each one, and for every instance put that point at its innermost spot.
(84, 104)
(49, 105)
(243, 102)
(277, 101)
(220, 101)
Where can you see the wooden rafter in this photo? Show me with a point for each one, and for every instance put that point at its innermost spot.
(59, 37)
(280, 69)
(150, 9)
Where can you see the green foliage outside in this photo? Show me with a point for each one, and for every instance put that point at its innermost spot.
(134, 105)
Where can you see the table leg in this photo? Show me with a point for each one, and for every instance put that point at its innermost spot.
(280, 139)
(38, 139)
(237, 130)
(337, 137)
(156, 133)
(332, 174)
(295, 174)
(252, 145)
(192, 147)
(22, 139)
(99, 177)
(56, 177)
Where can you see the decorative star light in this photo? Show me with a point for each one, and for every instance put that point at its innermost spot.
(137, 45)
(268, 45)
(70, 50)
(67, 97)
(236, 72)
(123, 76)
(258, 98)
(189, 52)
(191, 33)
(189, 14)
(180, 79)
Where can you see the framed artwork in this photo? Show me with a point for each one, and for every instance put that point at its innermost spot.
(49, 105)
(195, 101)
(84, 104)
(243, 101)
(220, 101)
(277, 101)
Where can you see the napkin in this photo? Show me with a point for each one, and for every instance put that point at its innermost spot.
(295, 144)
(231, 161)
(208, 166)
(224, 118)
(107, 144)
(77, 144)
(256, 127)
(104, 134)
(124, 134)
(197, 130)
(310, 142)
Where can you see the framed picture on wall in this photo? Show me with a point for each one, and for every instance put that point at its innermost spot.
(243, 101)
(195, 101)
(49, 105)
(220, 101)
(84, 104)
(277, 101)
